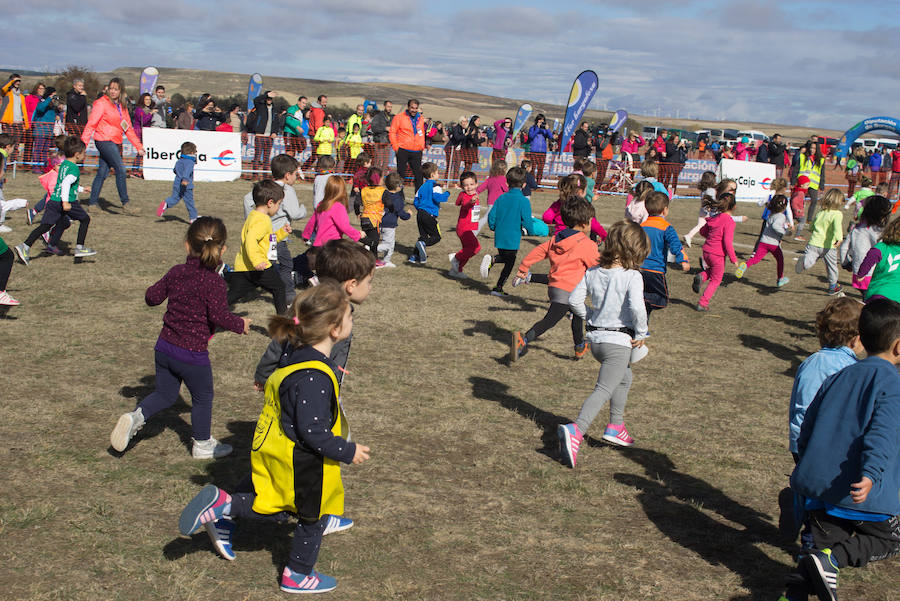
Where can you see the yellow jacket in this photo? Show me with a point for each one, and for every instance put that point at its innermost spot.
(7, 103)
(355, 143)
(324, 137)
(257, 242)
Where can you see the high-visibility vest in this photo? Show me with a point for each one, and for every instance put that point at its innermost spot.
(811, 170)
(289, 479)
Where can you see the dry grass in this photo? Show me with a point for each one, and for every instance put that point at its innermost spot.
(464, 497)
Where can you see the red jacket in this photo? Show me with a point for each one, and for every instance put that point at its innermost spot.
(895, 161)
(571, 253)
(106, 122)
(403, 135)
(467, 222)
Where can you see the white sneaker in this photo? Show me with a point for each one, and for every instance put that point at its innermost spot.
(210, 449)
(486, 263)
(454, 265)
(389, 264)
(7, 300)
(457, 274)
(126, 428)
(84, 251)
(687, 241)
(4, 229)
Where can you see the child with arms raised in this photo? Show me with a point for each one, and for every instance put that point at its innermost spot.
(197, 305)
(301, 439)
(616, 328)
(467, 224)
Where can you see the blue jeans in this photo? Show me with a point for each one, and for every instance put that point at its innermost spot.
(184, 193)
(109, 157)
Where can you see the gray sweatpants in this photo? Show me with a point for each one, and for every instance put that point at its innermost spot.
(813, 254)
(386, 246)
(613, 384)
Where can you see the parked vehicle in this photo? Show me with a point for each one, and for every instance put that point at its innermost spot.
(754, 135)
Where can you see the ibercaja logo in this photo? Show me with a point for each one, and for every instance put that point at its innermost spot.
(225, 158)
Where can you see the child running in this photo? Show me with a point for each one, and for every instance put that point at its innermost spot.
(197, 306)
(330, 220)
(862, 237)
(427, 201)
(6, 262)
(826, 232)
(663, 243)
(372, 209)
(494, 185)
(571, 253)
(719, 234)
(884, 261)
(63, 206)
(770, 241)
(616, 328)
(467, 224)
(183, 184)
(301, 439)
(394, 209)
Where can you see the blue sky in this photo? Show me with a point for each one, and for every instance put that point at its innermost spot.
(824, 64)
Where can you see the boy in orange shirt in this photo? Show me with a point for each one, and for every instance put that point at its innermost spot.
(571, 253)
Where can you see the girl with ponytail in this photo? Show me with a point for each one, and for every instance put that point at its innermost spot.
(197, 306)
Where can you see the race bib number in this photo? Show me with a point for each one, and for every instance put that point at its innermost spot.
(124, 125)
(273, 248)
(476, 213)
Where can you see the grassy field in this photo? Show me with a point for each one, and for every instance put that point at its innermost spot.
(465, 497)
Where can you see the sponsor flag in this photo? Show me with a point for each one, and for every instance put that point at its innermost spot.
(369, 103)
(617, 121)
(253, 89)
(583, 90)
(148, 80)
(522, 116)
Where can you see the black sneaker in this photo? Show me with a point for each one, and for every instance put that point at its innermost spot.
(498, 291)
(695, 285)
(822, 573)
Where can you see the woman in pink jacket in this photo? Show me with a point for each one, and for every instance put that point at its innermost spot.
(631, 144)
(329, 220)
(143, 116)
(107, 122)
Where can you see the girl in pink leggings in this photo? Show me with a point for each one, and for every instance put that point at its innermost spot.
(770, 240)
(719, 234)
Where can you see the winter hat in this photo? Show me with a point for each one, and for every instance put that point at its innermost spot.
(802, 180)
(745, 139)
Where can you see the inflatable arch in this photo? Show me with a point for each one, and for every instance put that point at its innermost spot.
(866, 125)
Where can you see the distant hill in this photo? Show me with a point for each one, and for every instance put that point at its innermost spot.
(438, 103)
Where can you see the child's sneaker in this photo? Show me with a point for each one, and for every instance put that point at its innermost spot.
(695, 284)
(6, 300)
(517, 281)
(414, 259)
(581, 350)
(835, 290)
(337, 523)
(701, 308)
(822, 573)
(220, 533)
(22, 251)
(454, 264)
(617, 434)
(386, 264)
(53, 250)
(486, 263)
(46, 236)
(569, 440)
(162, 209)
(498, 291)
(30, 215)
(379, 264)
(210, 449)
(84, 251)
(517, 346)
(420, 248)
(211, 504)
(314, 582)
(5, 229)
(687, 241)
(739, 272)
(457, 274)
(127, 426)
(782, 281)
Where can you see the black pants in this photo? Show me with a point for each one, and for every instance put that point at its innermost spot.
(370, 240)
(307, 535)
(242, 282)
(413, 159)
(554, 314)
(54, 216)
(508, 258)
(6, 263)
(429, 231)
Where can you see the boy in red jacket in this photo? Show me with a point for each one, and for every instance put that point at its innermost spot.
(571, 253)
(466, 225)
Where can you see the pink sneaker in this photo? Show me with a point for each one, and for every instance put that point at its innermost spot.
(161, 209)
(7, 300)
(569, 441)
(380, 263)
(617, 434)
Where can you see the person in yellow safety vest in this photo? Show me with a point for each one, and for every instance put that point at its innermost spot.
(812, 165)
(356, 118)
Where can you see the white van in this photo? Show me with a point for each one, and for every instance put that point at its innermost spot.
(754, 135)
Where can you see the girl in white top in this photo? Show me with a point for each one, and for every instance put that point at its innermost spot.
(616, 329)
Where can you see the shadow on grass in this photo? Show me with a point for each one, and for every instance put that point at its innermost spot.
(167, 218)
(680, 506)
(167, 419)
(794, 355)
(796, 323)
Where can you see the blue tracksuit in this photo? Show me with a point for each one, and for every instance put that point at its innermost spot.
(184, 170)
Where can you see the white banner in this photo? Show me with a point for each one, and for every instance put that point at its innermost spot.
(218, 154)
(754, 180)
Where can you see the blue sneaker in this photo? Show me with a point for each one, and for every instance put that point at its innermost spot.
(822, 573)
(211, 504)
(413, 259)
(314, 582)
(220, 533)
(420, 248)
(30, 215)
(337, 523)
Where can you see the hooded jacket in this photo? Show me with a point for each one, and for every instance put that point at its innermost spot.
(106, 123)
(7, 104)
(571, 253)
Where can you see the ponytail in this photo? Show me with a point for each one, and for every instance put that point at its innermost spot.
(312, 316)
(206, 237)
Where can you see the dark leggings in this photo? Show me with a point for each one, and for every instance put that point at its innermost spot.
(508, 258)
(242, 282)
(554, 314)
(370, 240)
(307, 535)
(6, 263)
(170, 373)
(58, 228)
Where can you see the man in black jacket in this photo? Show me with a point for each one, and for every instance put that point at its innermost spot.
(776, 153)
(76, 108)
(380, 124)
(456, 139)
(265, 123)
(581, 143)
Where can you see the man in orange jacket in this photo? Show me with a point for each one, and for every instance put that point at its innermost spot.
(407, 135)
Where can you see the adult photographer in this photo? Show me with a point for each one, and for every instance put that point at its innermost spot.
(264, 122)
(207, 115)
(43, 118)
(675, 158)
(76, 108)
(539, 139)
(14, 115)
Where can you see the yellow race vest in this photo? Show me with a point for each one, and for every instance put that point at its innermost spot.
(281, 472)
(811, 170)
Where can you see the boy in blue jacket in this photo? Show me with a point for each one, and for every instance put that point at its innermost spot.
(849, 468)
(183, 185)
(663, 240)
(511, 212)
(428, 205)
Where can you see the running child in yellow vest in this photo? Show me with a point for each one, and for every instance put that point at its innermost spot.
(300, 440)
(372, 209)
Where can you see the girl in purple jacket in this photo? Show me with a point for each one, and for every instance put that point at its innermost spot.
(197, 306)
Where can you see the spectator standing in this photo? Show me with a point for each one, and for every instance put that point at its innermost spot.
(381, 123)
(143, 117)
(76, 108)
(316, 117)
(161, 104)
(264, 123)
(502, 139)
(207, 115)
(581, 142)
(14, 116)
(894, 188)
(776, 152)
(43, 118)
(185, 119)
(539, 139)
(474, 138)
(675, 157)
(453, 148)
(357, 118)
(407, 136)
(296, 128)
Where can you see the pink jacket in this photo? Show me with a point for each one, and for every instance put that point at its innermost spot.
(495, 186)
(719, 234)
(631, 147)
(106, 123)
(743, 152)
(660, 145)
(330, 224)
(553, 216)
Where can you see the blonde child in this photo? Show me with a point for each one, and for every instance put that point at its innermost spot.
(197, 306)
(301, 438)
(719, 234)
(862, 237)
(636, 210)
(883, 260)
(394, 209)
(826, 232)
(330, 220)
(770, 239)
(467, 224)
(372, 209)
(616, 329)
